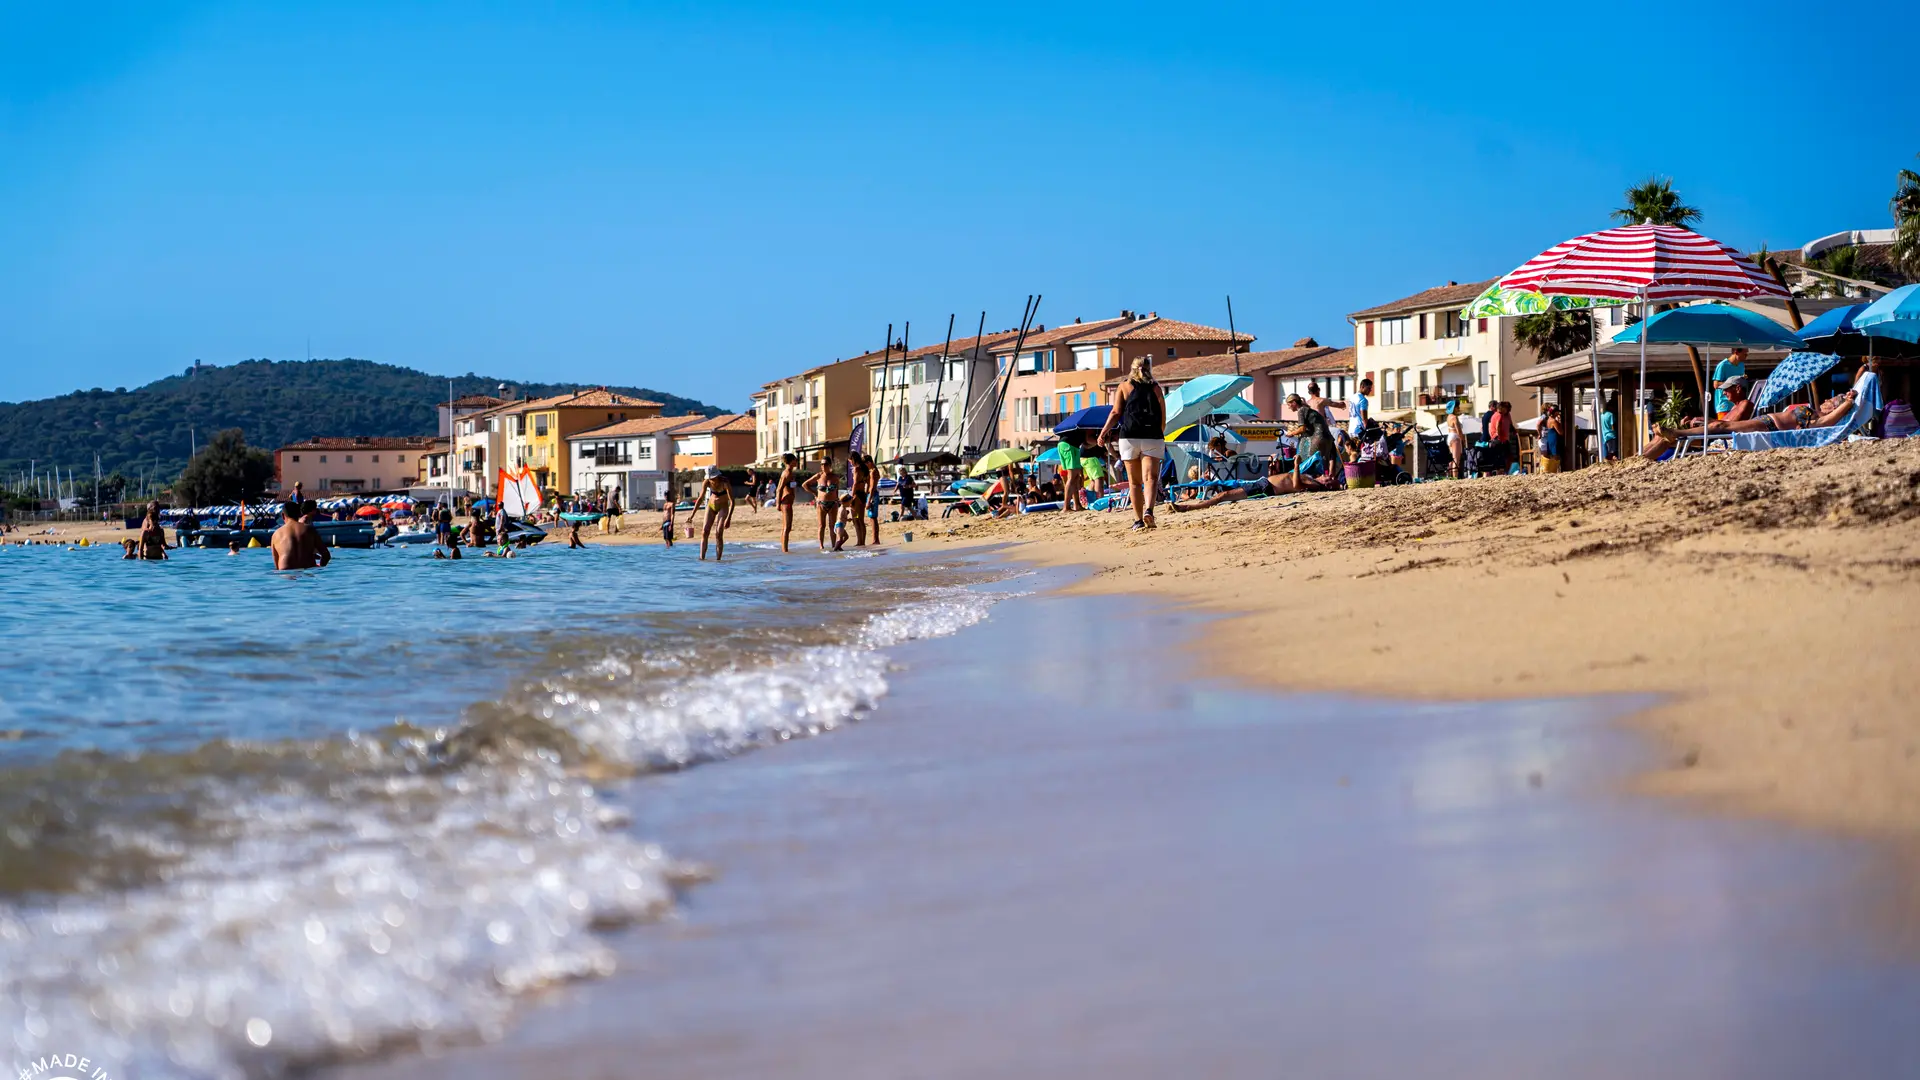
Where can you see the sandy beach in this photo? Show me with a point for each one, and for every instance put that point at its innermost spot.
(1768, 599)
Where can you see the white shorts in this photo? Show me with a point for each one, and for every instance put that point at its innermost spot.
(1142, 448)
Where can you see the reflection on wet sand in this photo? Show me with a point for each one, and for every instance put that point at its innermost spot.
(1044, 859)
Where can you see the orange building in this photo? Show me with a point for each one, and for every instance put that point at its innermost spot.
(727, 441)
(1064, 370)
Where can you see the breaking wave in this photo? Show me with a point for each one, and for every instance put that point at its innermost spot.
(243, 909)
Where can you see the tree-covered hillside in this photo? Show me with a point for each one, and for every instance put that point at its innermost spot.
(147, 431)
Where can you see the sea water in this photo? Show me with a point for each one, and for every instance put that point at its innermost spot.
(251, 821)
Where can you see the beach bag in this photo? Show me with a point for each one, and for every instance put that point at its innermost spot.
(1899, 422)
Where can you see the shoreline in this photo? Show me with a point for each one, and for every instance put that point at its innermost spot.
(1762, 601)
(1117, 877)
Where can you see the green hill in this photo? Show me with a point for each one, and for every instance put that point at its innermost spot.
(146, 431)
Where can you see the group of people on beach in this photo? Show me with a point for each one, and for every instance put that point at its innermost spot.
(837, 512)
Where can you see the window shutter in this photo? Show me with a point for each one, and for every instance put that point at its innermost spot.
(1369, 331)
(1483, 326)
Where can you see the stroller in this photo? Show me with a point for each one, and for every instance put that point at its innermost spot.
(1439, 460)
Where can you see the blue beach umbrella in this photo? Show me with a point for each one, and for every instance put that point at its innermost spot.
(1051, 453)
(1796, 371)
(1895, 315)
(1237, 406)
(1202, 397)
(1835, 332)
(1712, 324)
(1083, 425)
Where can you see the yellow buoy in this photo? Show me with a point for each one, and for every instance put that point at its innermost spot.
(254, 542)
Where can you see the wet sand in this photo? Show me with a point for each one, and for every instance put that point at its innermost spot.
(1768, 602)
(1063, 847)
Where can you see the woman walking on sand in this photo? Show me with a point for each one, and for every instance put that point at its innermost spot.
(1456, 445)
(825, 486)
(1136, 427)
(783, 496)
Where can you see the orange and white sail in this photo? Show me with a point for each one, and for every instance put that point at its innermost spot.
(518, 492)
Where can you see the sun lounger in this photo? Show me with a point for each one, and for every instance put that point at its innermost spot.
(1865, 394)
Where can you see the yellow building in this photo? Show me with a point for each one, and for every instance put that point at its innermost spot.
(812, 412)
(537, 431)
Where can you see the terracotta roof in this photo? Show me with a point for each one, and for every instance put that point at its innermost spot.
(1155, 328)
(728, 422)
(1450, 295)
(960, 347)
(1330, 362)
(1251, 363)
(480, 401)
(598, 397)
(1060, 334)
(365, 442)
(818, 368)
(646, 425)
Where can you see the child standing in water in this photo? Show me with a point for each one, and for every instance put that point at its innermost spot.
(666, 522)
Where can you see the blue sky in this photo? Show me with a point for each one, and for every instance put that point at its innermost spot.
(700, 197)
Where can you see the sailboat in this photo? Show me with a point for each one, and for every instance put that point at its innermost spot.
(519, 494)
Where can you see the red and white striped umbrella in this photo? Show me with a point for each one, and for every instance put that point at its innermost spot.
(1655, 263)
(1650, 263)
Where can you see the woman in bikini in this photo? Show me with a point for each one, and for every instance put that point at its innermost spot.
(825, 486)
(717, 492)
(153, 538)
(1456, 446)
(783, 495)
(1791, 418)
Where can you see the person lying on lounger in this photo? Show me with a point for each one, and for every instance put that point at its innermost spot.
(1791, 418)
(1304, 474)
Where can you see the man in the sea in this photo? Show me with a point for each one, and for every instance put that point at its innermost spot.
(296, 544)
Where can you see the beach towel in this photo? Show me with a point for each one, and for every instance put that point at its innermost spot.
(1866, 397)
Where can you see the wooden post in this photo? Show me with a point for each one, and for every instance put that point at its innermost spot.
(1563, 391)
(1706, 395)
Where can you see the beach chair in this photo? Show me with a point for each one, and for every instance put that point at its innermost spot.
(1866, 393)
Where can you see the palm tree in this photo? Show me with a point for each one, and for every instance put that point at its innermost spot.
(1657, 202)
(1905, 205)
(1553, 334)
(1841, 262)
